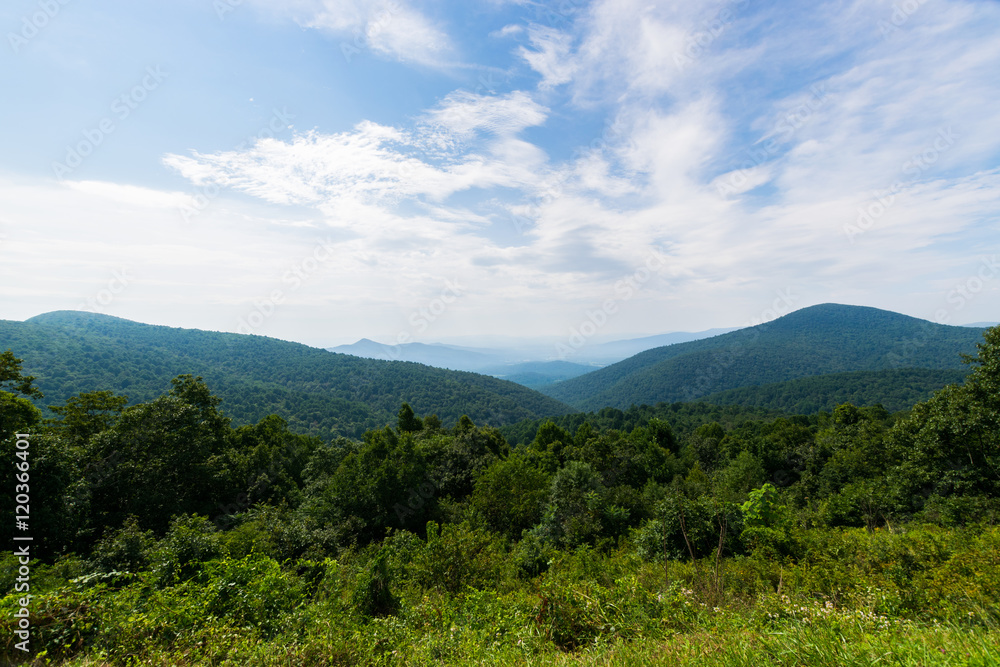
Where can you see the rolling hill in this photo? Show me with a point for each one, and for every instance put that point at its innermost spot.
(819, 340)
(316, 391)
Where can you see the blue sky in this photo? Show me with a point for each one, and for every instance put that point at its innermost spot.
(323, 171)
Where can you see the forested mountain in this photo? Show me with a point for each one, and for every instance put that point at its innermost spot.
(316, 391)
(818, 340)
(894, 390)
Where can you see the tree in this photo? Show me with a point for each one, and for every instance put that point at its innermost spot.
(12, 380)
(406, 421)
(576, 507)
(949, 446)
(161, 458)
(88, 414)
(509, 496)
(766, 523)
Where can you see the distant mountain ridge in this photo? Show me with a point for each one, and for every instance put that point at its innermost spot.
(819, 340)
(530, 363)
(316, 391)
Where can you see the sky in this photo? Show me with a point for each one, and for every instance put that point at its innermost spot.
(322, 171)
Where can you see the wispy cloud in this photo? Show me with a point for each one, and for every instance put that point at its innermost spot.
(391, 28)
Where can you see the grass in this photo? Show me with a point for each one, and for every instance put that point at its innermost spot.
(919, 597)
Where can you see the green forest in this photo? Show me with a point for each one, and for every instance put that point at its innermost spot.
(317, 392)
(818, 340)
(679, 533)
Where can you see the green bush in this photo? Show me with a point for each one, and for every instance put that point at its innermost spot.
(372, 595)
(128, 549)
(189, 543)
(457, 556)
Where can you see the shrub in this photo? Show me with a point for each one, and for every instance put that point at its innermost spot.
(191, 541)
(372, 595)
(126, 550)
(456, 556)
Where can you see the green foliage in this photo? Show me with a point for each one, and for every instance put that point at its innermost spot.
(128, 549)
(509, 495)
(766, 523)
(456, 557)
(190, 542)
(736, 532)
(575, 506)
(406, 421)
(88, 414)
(161, 458)
(17, 415)
(12, 380)
(250, 592)
(372, 595)
(895, 389)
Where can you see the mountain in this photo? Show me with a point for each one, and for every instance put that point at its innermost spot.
(895, 390)
(316, 391)
(442, 356)
(622, 349)
(823, 339)
(537, 374)
(506, 357)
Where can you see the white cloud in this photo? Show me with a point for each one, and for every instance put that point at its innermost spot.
(550, 57)
(132, 195)
(462, 114)
(390, 28)
(822, 127)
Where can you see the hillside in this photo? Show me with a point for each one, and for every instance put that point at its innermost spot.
(818, 340)
(894, 390)
(317, 391)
